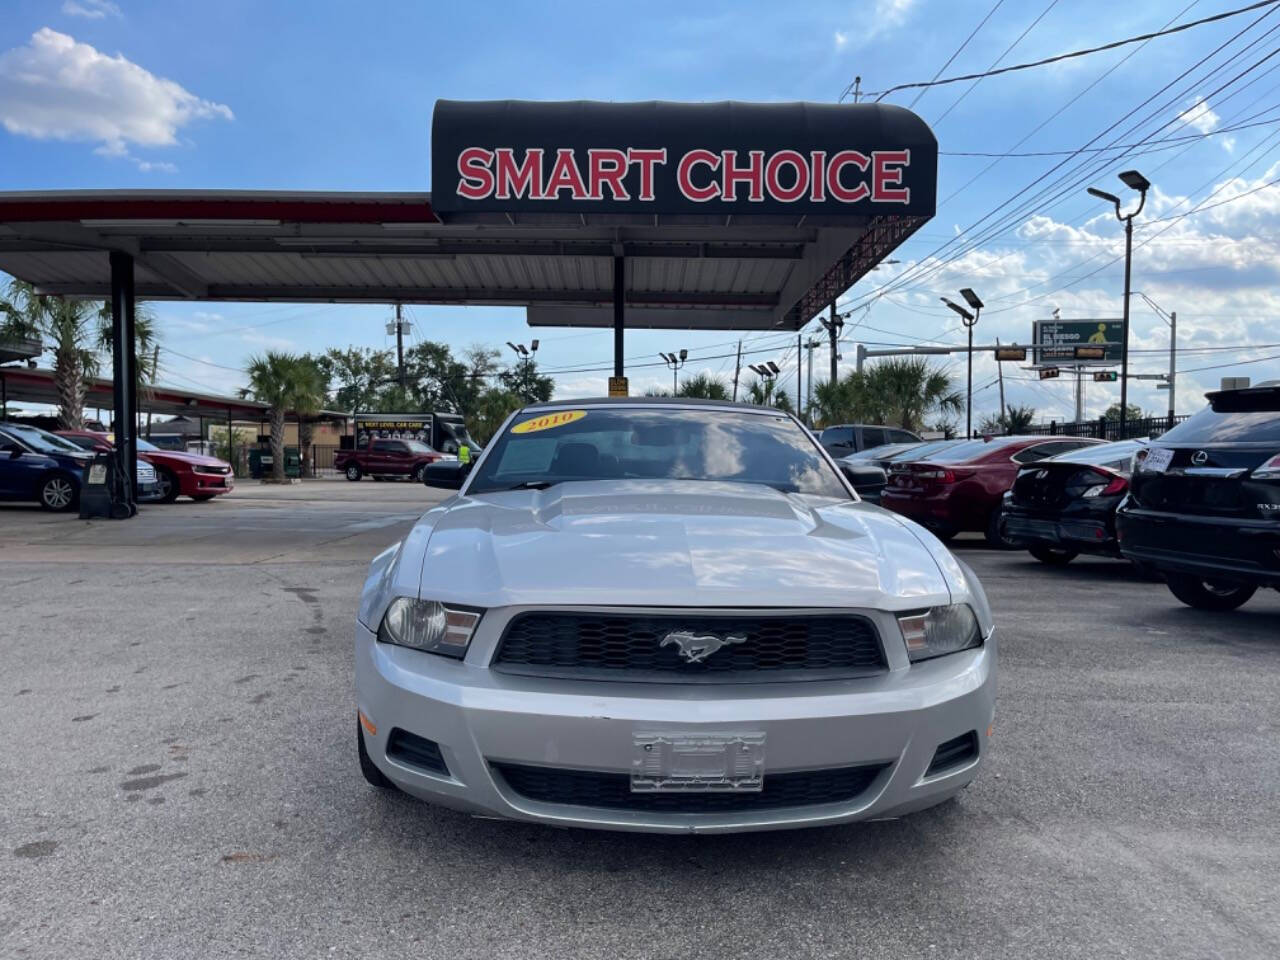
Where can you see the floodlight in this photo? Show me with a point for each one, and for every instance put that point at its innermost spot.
(1136, 181)
(971, 298)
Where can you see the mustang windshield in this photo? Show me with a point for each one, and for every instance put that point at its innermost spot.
(656, 443)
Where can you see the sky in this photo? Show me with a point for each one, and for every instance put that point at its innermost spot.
(338, 96)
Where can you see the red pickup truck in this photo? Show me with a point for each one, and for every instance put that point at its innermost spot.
(387, 458)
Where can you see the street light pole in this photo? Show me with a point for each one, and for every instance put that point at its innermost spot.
(675, 362)
(970, 321)
(1135, 181)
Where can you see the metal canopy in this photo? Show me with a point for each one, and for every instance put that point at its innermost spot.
(386, 248)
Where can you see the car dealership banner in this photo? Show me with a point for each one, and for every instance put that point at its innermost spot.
(693, 159)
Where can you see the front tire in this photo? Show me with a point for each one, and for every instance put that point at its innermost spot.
(1219, 595)
(353, 472)
(1053, 556)
(58, 493)
(169, 488)
(418, 472)
(372, 775)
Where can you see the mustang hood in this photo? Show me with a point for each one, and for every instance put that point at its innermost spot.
(675, 543)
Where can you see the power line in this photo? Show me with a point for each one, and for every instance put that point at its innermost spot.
(1173, 141)
(973, 33)
(1066, 56)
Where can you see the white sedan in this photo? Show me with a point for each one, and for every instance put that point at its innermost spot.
(669, 616)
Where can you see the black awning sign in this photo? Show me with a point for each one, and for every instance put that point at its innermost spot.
(694, 159)
(701, 175)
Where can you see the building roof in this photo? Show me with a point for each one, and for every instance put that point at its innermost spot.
(23, 385)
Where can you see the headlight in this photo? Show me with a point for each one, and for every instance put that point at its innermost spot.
(940, 630)
(428, 625)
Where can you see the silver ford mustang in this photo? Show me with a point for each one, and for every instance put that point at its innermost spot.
(669, 616)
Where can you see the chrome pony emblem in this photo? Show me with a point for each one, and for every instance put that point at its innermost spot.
(696, 647)
(1200, 458)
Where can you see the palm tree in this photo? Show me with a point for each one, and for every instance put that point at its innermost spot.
(900, 391)
(704, 386)
(77, 346)
(273, 380)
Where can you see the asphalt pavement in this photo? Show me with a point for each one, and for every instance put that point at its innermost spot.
(178, 776)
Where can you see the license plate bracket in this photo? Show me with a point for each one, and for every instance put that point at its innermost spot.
(676, 762)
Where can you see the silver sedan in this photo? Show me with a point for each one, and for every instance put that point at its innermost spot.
(669, 616)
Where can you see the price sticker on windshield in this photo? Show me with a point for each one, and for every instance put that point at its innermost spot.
(1157, 460)
(549, 421)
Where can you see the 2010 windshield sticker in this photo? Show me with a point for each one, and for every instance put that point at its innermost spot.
(549, 421)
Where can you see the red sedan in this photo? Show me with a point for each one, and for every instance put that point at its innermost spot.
(960, 488)
(179, 473)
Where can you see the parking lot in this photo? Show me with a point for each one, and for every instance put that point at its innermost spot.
(179, 776)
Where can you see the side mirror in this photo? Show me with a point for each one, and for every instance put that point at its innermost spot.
(14, 451)
(446, 474)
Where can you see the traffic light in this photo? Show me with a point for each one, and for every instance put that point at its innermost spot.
(1049, 373)
(1106, 376)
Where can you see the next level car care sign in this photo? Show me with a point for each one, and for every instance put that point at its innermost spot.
(708, 159)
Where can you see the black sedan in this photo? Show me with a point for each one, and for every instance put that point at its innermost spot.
(1064, 506)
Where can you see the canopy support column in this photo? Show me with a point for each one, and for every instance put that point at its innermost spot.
(123, 367)
(619, 306)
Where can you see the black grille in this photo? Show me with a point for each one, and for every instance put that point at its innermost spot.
(585, 788)
(953, 753)
(630, 647)
(415, 751)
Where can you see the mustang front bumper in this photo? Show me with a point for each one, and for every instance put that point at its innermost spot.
(484, 721)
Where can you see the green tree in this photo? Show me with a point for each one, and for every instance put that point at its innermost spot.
(277, 379)
(1015, 419)
(704, 386)
(897, 391)
(492, 408)
(1135, 413)
(356, 376)
(78, 332)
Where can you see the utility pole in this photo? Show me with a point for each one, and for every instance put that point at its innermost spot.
(1173, 358)
(799, 378)
(1000, 371)
(833, 326)
(155, 367)
(399, 347)
(737, 369)
(1079, 394)
(808, 404)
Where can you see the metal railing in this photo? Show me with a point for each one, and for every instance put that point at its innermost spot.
(1103, 429)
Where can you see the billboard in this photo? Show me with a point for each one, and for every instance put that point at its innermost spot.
(1058, 339)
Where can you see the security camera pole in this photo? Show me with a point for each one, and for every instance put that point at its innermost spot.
(675, 363)
(1135, 181)
(970, 321)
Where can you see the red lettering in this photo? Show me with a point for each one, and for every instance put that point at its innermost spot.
(818, 176)
(476, 181)
(837, 189)
(774, 183)
(684, 175)
(515, 180)
(887, 178)
(565, 176)
(752, 174)
(608, 166)
(647, 160)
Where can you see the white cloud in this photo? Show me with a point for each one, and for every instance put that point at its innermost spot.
(1199, 116)
(91, 9)
(887, 16)
(56, 88)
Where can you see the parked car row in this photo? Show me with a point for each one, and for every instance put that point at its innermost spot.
(1198, 507)
(48, 468)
